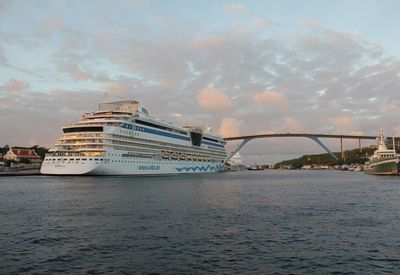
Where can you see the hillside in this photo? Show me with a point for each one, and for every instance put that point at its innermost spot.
(350, 156)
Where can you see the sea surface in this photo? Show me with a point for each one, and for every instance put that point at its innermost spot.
(250, 222)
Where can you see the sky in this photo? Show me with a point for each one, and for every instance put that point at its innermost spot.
(241, 67)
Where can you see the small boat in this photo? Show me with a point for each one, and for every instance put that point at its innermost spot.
(384, 161)
(255, 168)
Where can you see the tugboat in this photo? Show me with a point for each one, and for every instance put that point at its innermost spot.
(384, 161)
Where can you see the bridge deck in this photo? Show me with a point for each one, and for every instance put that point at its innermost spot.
(314, 137)
(306, 135)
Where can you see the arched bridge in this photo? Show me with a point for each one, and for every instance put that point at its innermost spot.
(314, 137)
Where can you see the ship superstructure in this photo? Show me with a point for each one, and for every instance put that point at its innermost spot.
(121, 138)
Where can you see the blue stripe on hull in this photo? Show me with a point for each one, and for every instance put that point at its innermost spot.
(200, 168)
(209, 143)
(160, 133)
(171, 135)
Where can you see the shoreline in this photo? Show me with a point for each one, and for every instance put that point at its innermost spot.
(28, 172)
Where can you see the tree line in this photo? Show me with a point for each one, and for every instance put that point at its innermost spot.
(350, 157)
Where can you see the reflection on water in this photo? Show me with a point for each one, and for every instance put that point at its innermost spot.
(240, 222)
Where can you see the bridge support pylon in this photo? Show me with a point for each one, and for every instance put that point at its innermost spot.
(316, 139)
(243, 143)
(341, 148)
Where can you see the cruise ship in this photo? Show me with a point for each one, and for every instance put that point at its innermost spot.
(122, 138)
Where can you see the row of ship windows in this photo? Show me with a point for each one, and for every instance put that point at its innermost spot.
(165, 128)
(145, 153)
(156, 148)
(387, 155)
(72, 147)
(77, 141)
(142, 148)
(164, 145)
(92, 135)
(171, 155)
(108, 160)
(144, 140)
(111, 136)
(78, 159)
(176, 155)
(160, 145)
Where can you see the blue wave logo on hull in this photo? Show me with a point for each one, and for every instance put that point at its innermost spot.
(200, 168)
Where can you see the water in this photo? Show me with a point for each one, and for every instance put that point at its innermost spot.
(251, 222)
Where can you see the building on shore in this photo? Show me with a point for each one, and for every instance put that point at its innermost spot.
(25, 157)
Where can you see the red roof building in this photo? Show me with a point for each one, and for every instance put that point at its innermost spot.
(17, 154)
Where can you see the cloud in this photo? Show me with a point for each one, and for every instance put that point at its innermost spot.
(291, 124)
(342, 122)
(14, 85)
(166, 67)
(119, 88)
(3, 59)
(19, 111)
(4, 6)
(212, 99)
(397, 130)
(391, 107)
(260, 22)
(80, 75)
(308, 23)
(229, 127)
(236, 8)
(270, 98)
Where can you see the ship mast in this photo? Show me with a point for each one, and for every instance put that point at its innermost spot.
(381, 142)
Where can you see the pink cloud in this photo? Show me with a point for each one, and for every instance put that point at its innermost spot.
(229, 127)
(271, 98)
(32, 142)
(80, 75)
(118, 88)
(214, 100)
(210, 43)
(15, 85)
(391, 108)
(291, 124)
(341, 122)
(357, 133)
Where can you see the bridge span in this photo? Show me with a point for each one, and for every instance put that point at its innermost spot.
(314, 137)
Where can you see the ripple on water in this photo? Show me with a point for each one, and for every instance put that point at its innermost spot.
(272, 222)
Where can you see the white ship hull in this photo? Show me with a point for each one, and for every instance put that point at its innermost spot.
(127, 168)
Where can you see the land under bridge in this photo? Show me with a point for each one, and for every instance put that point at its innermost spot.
(314, 137)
